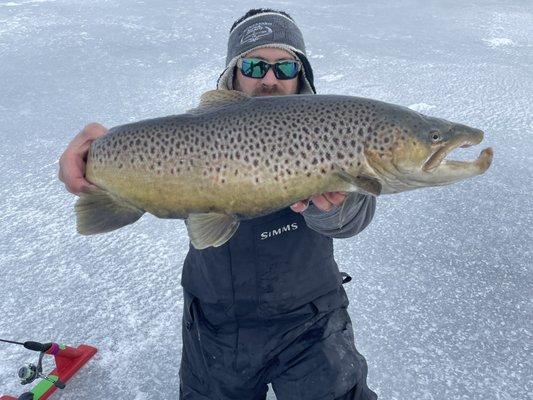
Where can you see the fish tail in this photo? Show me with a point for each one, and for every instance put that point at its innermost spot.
(97, 211)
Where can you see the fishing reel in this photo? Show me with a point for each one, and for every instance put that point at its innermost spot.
(29, 373)
(68, 360)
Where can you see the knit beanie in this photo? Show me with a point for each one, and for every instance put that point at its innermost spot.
(266, 29)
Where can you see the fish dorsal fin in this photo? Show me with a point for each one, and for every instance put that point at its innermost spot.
(362, 184)
(214, 99)
(210, 229)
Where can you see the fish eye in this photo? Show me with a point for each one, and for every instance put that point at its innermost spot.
(435, 136)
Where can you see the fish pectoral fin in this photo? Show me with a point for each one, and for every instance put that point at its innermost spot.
(97, 211)
(363, 184)
(213, 99)
(210, 229)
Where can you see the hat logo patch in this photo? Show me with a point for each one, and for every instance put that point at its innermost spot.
(255, 32)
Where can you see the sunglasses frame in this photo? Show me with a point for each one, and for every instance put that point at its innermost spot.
(269, 66)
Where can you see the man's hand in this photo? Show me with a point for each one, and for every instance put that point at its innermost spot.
(324, 201)
(72, 161)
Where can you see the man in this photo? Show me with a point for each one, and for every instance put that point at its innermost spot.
(268, 306)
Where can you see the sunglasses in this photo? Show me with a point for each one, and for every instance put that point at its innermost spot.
(257, 68)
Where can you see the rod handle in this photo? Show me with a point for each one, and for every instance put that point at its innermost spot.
(36, 346)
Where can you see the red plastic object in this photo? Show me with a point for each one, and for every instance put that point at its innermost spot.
(68, 361)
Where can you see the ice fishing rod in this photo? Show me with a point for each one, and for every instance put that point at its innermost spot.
(29, 373)
(35, 346)
(68, 361)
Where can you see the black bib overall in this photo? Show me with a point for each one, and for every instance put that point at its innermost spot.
(268, 307)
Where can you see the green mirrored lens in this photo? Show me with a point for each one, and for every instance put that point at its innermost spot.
(287, 69)
(254, 68)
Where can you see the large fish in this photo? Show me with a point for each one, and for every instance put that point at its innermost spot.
(236, 157)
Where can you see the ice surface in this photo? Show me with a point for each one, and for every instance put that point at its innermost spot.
(421, 107)
(441, 296)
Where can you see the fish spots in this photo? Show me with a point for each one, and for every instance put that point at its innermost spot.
(278, 140)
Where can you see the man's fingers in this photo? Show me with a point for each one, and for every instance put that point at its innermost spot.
(322, 203)
(72, 175)
(326, 201)
(72, 161)
(77, 185)
(335, 198)
(300, 206)
(92, 131)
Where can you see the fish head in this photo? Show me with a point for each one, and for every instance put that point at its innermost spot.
(417, 151)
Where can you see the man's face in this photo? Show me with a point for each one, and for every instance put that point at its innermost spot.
(269, 85)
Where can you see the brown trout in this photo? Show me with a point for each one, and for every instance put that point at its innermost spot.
(237, 157)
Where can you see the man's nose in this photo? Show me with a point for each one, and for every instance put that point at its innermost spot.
(269, 78)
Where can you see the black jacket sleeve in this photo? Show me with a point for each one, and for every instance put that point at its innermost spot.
(344, 221)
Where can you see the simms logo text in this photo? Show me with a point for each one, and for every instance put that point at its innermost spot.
(279, 231)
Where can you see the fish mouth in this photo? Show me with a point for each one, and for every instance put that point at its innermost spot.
(438, 158)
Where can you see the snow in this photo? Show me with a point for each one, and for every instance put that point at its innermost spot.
(496, 42)
(440, 298)
(421, 107)
(331, 78)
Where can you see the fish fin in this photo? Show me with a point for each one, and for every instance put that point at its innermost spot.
(363, 184)
(97, 211)
(213, 99)
(210, 229)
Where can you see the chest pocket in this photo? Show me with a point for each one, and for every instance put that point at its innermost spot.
(295, 264)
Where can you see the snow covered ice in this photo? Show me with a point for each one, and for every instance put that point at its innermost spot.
(442, 285)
